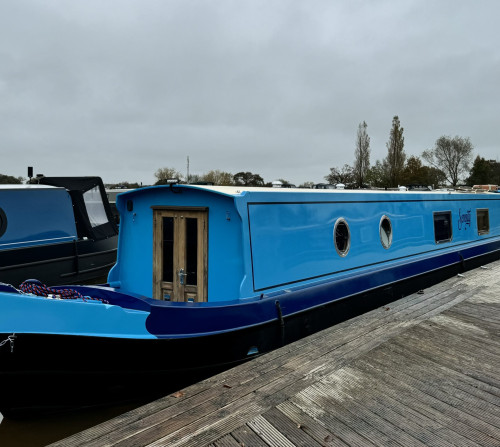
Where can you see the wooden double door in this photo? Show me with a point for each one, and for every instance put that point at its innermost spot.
(180, 254)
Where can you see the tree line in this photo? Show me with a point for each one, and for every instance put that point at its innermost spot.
(449, 163)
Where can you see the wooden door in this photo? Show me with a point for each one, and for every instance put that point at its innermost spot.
(180, 254)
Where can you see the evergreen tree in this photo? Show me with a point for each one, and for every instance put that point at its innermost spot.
(361, 155)
(396, 156)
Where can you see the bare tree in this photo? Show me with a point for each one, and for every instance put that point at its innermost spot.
(361, 155)
(396, 156)
(163, 174)
(218, 177)
(452, 155)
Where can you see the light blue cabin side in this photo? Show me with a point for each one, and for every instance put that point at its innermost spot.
(260, 241)
(33, 215)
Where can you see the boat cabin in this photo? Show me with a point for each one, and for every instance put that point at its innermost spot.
(187, 243)
(57, 231)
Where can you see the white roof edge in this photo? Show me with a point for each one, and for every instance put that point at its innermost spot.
(17, 186)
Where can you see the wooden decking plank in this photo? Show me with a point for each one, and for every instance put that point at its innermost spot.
(472, 333)
(460, 359)
(246, 437)
(427, 405)
(450, 362)
(480, 408)
(269, 433)
(346, 397)
(310, 426)
(423, 364)
(465, 347)
(226, 441)
(363, 401)
(402, 400)
(491, 327)
(439, 400)
(483, 312)
(294, 432)
(352, 434)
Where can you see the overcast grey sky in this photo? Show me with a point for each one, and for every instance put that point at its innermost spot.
(119, 88)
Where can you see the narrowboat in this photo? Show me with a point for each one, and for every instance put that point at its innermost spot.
(60, 230)
(208, 277)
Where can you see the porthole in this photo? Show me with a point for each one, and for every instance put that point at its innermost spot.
(3, 222)
(385, 232)
(341, 237)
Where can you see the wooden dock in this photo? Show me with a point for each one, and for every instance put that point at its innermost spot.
(421, 371)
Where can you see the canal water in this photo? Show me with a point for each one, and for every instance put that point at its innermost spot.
(43, 430)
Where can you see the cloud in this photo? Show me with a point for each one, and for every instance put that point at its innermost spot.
(120, 88)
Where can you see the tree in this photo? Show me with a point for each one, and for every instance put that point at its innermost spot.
(361, 155)
(415, 173)
(9, 180)
(163, 174)
(248, 179)
(306, 185)
(378, 174)
(218, 178)
(395, 153)
(343, 175)
(124, 185)
(451, 155)
(484, 172)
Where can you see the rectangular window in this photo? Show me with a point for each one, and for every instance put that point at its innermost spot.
(95, 207)
(483, 221)
(442, 226)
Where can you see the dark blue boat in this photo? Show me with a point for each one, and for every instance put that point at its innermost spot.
(208, 277)
(58, 231)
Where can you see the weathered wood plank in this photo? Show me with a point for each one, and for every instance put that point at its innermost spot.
(447, 407)
(247, 437)
(404, 399)
(310, 426)
(294, 432)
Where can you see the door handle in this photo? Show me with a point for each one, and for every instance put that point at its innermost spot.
(182, 276)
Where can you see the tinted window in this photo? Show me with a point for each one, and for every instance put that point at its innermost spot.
(483, 221)
(442, 226)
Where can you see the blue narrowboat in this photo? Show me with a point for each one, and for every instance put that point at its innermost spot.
(208, 277)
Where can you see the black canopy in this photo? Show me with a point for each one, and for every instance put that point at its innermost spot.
(77, 187)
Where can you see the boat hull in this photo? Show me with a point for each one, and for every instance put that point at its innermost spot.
(47, 372)
(80, 261)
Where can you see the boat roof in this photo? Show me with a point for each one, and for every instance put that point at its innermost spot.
(238, 191)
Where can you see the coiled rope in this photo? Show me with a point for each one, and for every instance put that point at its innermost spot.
(35, 287)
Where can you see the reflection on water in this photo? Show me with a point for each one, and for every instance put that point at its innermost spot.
(43, 430)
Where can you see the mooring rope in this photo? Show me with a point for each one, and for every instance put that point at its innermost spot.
(35, 287)
(9, 339)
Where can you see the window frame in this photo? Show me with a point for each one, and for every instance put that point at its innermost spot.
(385, 218)
(342, 253)
(482, 232)
(436, 214)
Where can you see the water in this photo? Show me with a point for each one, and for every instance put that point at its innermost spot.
(43, 430)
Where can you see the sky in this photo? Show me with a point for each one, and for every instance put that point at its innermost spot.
(121, 88)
